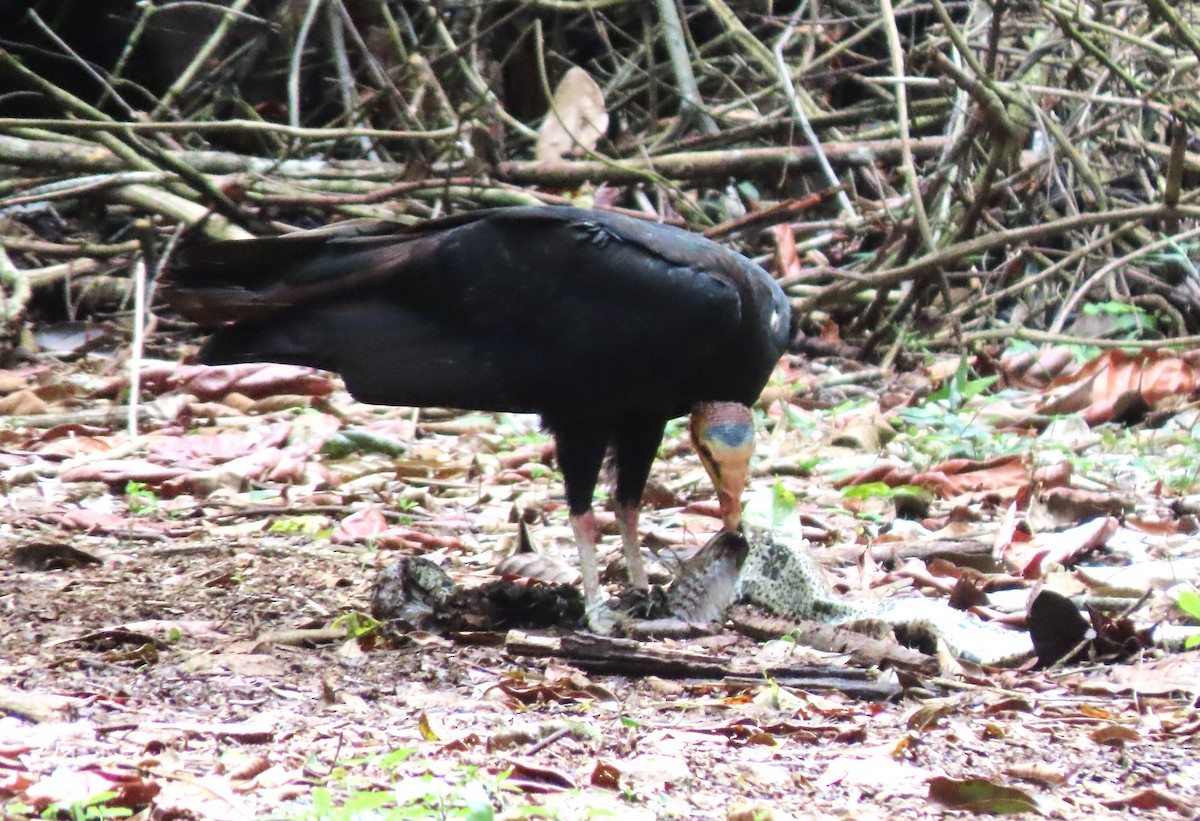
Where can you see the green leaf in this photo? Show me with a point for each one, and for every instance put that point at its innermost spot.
(307, 524)
(880, 490)
(1189, 602)
(357, 624)
(773, 509)
(980, 795)
(345, 442)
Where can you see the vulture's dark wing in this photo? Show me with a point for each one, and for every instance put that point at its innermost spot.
(557, 310)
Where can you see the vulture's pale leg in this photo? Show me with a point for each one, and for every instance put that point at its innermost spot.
(584, 528)
(627, 524)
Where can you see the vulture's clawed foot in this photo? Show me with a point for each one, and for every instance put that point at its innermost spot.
(599, 617)
(643, 603)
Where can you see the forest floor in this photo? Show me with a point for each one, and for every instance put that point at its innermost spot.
(167, 599)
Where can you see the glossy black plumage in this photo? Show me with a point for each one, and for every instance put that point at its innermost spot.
(606, 325)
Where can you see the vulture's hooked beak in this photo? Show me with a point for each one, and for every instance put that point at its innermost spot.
(723, 435)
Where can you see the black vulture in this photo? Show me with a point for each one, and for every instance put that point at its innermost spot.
(606, 325)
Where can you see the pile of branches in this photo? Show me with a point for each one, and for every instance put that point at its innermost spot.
(953, 172)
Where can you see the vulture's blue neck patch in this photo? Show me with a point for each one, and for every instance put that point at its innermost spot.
(730, 434)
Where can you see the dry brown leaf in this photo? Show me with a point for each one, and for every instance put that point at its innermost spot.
(787, 262)
(76, 787)
(1036, 370)
(22, 403)
(209, 797)
(360, 526)
(1031, 558)
(577, 118)
(220, 447)
(958, 476)
(121, 471)
(539, 566)
(1153, 799)
(1115, 379)
(256, 380)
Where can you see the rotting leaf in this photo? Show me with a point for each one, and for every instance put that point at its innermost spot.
(980, 795)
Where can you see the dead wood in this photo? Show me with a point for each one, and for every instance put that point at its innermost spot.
(615, 656)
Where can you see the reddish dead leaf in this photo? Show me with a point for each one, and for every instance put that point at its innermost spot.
(787, 262)
(1152, 799)
(1053, 476)
(69, 447)
(704, 507)
(360, 526)
(967, 593)
(470, 741)
(534, 777)
(958, 476)
(266, 464)
(1116, 379)
(1012, 704)
(120, 472)
(78, 787)
(93, 521)
(256, 380)
(889, 473)
(401, 538)
(269, 464)
(1060, 506)
(1155, 527)
(605, 776)
(1036, 370)
(219, 447)
(13, 784)
(1030, 558)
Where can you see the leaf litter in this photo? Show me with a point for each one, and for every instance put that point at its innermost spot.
(171, 601)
